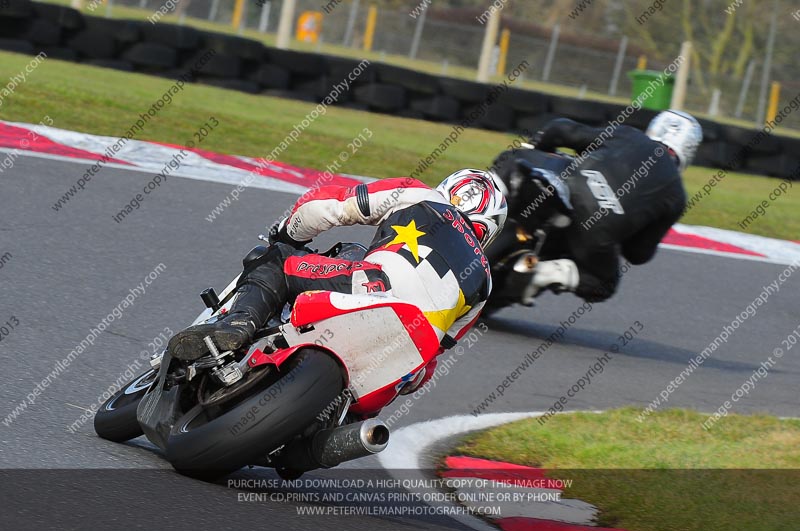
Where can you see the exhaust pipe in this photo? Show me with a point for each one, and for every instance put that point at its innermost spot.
(345, 443)
(332, 447)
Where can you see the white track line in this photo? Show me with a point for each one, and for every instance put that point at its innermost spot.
(723, 254)
(407, 443)
(402, 457)
(231, 176)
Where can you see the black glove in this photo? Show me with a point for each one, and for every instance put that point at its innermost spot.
(272, 235)
(536, 138)
(278, 233)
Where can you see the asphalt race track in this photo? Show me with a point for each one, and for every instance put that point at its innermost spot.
(70, 268)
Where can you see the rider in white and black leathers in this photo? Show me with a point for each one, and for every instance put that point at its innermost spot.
(428, 250)
(609, 218)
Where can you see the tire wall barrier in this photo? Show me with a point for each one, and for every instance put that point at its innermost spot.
(247, 65)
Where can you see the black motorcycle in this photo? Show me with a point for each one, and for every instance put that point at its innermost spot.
(539, 211)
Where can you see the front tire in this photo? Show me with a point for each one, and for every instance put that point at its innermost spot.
(116, 418)
(204, 445)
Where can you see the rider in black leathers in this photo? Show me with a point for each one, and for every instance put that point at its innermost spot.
(625, 191)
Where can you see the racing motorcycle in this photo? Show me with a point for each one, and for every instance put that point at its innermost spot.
(539, 211)
(303, 395)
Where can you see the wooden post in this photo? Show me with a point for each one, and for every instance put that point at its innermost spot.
(612, 87)
(505, 38)
(285, 24)
(238, 11)
(748, 77)
(713, 107)
(212, 13)
(682, 78)
(369, 32)
(263, 22)
(774, 96)
(351, 23)
(489, 38)
(412, 54)
(551, 53)
(765, 72)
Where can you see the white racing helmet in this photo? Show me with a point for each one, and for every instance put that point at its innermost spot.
(480, 196)
(680, 132)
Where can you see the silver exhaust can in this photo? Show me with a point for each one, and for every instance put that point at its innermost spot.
(334, 446)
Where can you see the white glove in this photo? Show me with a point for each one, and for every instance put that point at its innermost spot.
(557, 275)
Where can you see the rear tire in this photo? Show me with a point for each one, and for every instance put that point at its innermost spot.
(116, 418)
(203, 447)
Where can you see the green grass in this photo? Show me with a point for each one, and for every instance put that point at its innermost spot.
(736, 196)
(665, 473)
(107, 102)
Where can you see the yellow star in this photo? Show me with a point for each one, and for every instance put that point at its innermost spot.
(408, 235)
(444, 319)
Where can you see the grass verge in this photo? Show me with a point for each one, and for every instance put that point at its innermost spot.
(666, 473)
(107, 102)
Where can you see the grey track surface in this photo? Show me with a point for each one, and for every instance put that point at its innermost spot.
(69, 269)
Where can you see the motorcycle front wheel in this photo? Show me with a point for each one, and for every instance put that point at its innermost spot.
(116, 418)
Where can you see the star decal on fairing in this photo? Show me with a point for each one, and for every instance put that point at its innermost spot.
(408, 235)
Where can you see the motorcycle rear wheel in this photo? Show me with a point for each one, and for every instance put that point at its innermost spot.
(213, 442)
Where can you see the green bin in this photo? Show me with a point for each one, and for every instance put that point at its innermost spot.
(654, 93)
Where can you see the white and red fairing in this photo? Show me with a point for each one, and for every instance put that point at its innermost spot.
(381, 341)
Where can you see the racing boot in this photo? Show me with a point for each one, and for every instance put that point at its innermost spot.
(557, 275)
(252, 308)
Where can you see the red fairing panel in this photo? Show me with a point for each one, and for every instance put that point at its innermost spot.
(371, 404)
(317, 307)
(368, 405)
(279, 357)
(314, 306)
